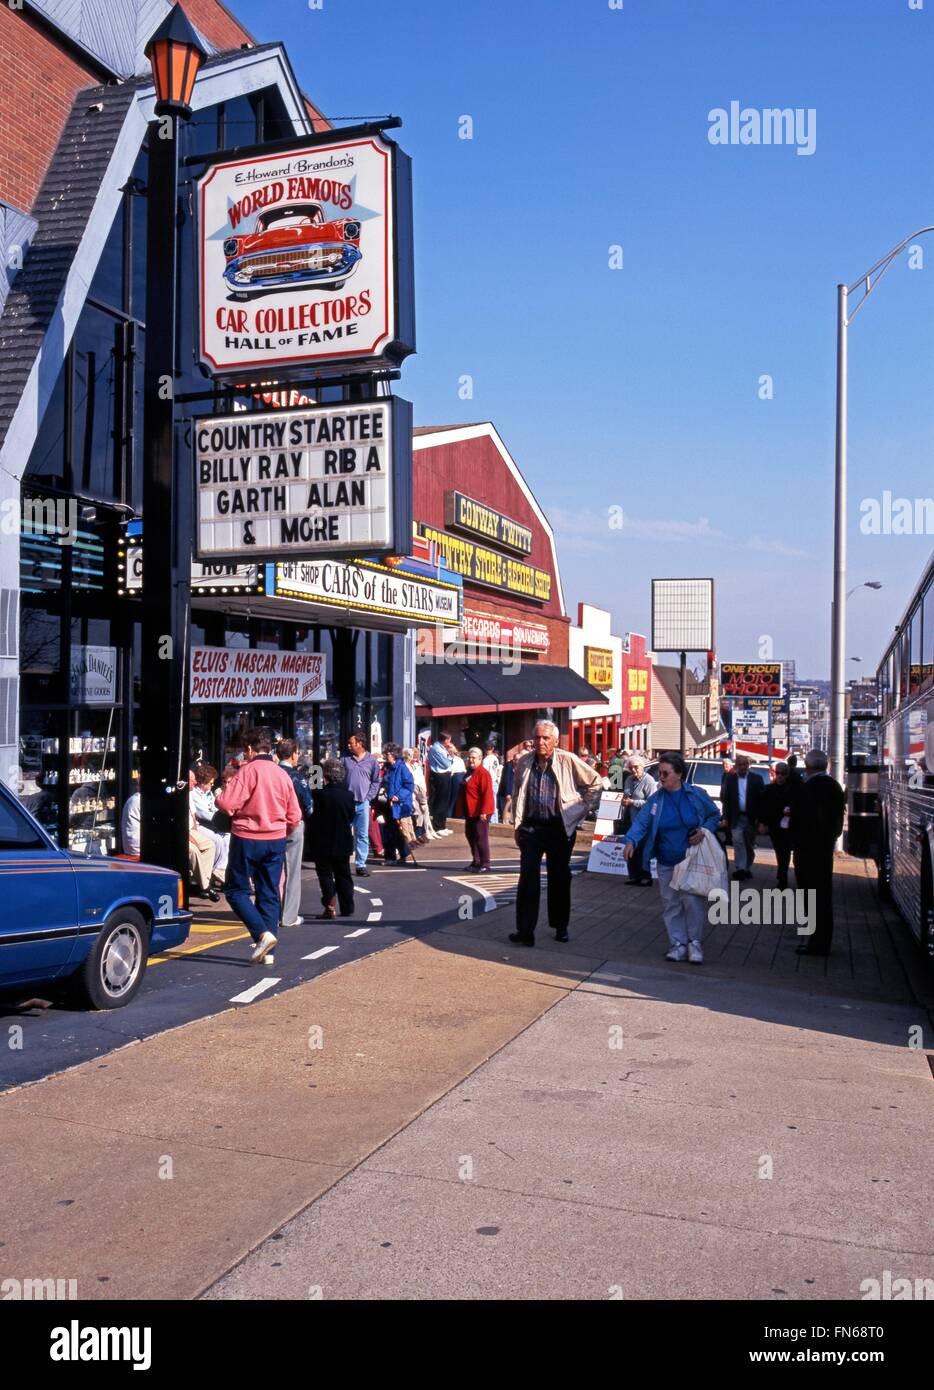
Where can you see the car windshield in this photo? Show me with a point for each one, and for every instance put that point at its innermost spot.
(306, 217)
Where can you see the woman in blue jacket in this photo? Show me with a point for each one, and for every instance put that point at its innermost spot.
(669, 821)
(400, 788)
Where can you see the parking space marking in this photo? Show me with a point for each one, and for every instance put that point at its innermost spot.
(321, 951)
(361, 931)
(250, 994)
(176, 952)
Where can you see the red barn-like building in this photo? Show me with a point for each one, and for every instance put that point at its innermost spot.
(508, 664)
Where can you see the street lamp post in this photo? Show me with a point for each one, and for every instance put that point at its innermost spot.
(867, 283)
(175, 54)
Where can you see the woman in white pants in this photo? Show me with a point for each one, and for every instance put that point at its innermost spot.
(201, 800)
(670, 821)
(420, 795)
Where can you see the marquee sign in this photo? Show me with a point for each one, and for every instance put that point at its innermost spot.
(479, 565)
(741, 679)
(682, 615)
(463, 513)
(329, 479)
(370, 588)
(512, 633)
(599, 663)
(227, 675)
(206, 578)
(305, 258)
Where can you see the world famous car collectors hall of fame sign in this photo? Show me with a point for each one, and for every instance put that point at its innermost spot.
(305, 258)
(305, 264)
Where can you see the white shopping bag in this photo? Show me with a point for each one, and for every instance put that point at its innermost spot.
(703, 868)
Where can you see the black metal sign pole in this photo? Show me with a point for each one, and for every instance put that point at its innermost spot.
(163, 723)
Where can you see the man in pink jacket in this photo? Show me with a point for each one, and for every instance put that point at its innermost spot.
(263, 809)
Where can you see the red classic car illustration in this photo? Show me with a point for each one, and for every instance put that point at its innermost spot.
(292, 245)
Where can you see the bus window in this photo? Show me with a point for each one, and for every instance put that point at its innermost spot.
(914, 652)
(904, 660)
(927, 637)
(862, 744)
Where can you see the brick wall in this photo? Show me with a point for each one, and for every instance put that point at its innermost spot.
(38, 83)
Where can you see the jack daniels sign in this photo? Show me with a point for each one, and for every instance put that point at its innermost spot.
(296, 484)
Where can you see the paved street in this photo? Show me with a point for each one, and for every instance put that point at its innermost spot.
(212, 970)
(456, 1118)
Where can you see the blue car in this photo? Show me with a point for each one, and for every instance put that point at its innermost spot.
(97, 920)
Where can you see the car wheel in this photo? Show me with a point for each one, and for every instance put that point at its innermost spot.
(338, 286)
(113, 972)
(241, 296)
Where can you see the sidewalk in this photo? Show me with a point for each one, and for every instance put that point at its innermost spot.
(747, 1130)
(483, 1121)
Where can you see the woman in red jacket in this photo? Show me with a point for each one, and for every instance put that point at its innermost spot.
(476, 804)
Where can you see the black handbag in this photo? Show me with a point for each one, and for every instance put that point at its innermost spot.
(220, 822)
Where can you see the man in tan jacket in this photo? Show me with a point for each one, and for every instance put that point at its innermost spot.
(553, 792)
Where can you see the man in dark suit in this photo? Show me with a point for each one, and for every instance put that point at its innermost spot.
(740, 792)
(329, 840)
(817, 823)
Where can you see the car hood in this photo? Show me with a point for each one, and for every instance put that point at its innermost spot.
(288, 237)
(114, 862)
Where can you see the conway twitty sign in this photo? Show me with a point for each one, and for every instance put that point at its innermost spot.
(293, 484)
(305, 257)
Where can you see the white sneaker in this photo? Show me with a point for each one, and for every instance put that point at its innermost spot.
(266, 943)
(695, 954)
(297, 923)
(677, 953)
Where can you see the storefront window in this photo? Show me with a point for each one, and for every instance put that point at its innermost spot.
(97, 349)
(40, 657)
(329, 731)
(380, 663)
(107, 285)
(48, 458)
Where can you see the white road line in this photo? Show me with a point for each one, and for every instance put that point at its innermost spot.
(321, 951)
(361, 931)
(358, 889)
(374, 917)
(250, 994)
(377, 902)
(489, 901)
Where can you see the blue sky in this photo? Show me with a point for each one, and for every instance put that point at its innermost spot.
(639, 387)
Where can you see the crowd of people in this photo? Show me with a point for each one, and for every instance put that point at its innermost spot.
(253, 826)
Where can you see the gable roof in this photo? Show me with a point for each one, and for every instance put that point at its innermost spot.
(452, 434)
(75, 208)
(62, 209)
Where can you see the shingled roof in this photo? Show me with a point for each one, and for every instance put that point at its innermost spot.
(62, 209)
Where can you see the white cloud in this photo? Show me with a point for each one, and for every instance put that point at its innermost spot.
(588, 532)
